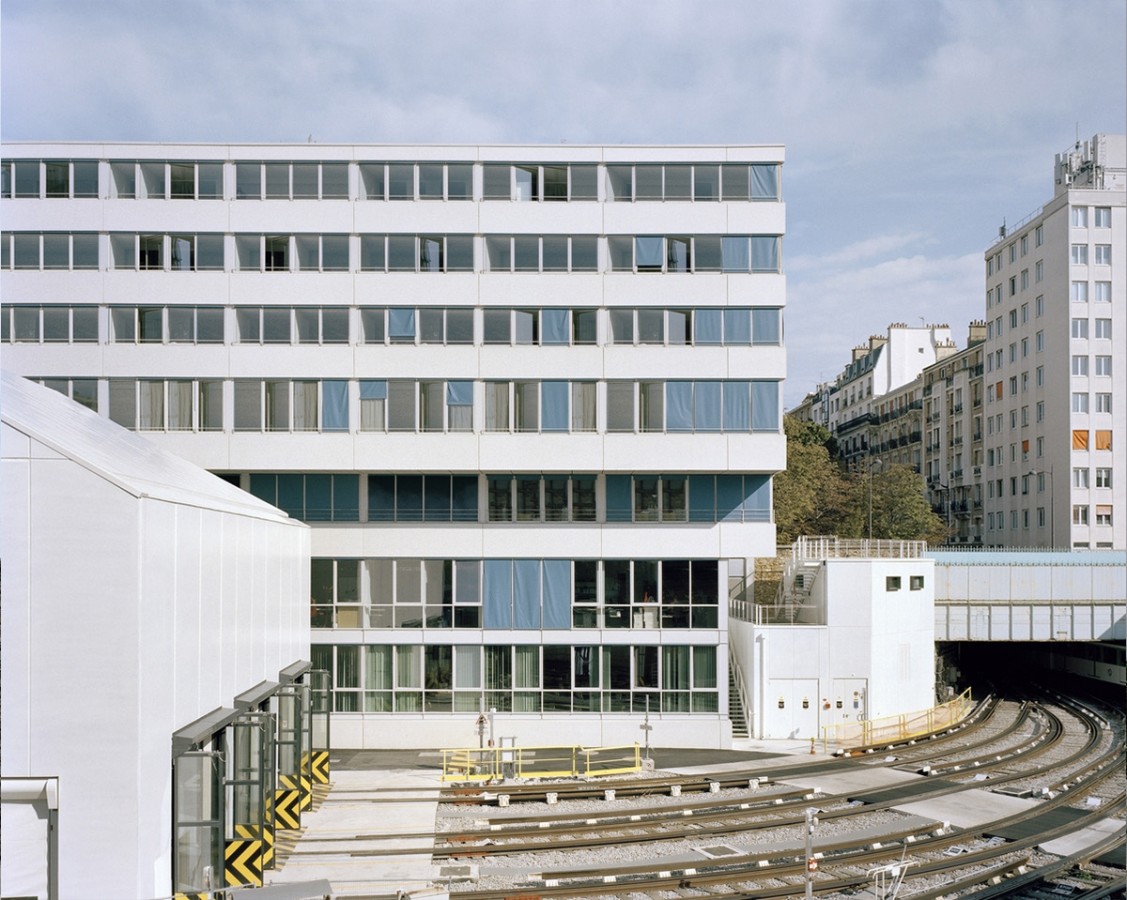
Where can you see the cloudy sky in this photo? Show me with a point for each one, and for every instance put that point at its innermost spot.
(912, 127)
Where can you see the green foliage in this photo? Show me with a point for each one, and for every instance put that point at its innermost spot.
(899, 507)
(815, 495)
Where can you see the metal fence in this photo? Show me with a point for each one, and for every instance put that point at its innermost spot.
(499, 763)
(898, 728)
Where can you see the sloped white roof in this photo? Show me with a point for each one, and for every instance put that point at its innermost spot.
(125, 459)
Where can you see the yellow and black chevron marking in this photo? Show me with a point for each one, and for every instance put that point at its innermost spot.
(243, 862)
(287, 809)
(321, 766)
(268, 846)
(306, 792)
(200, 895)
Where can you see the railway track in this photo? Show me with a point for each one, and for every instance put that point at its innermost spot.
(1068, 750)
(1036, 773)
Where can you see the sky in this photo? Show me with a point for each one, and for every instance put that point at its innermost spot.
(913, 128)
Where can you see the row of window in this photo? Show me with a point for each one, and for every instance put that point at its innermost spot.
(284, 405)
(733, 327)
(1078, 218)
(1081, 480)
(282, 180)
(1078, 293)
(520, 594)
(549, 678)
(1082, 515)
(569, 498)
(502, 498)
(1101, 254)
(1101, 404)
(389, 252)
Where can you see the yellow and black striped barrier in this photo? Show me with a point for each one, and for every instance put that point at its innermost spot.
(321, 766)
(242, 857)
(268, 832)
(200, 895)
(287, 806)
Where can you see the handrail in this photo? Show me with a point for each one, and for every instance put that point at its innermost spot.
(899, 727)
(549, 761)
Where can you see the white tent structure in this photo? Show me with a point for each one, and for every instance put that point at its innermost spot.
(140, 594)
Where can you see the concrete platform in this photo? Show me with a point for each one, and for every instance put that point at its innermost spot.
(328, 844)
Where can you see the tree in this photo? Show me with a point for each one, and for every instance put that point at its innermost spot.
(899, 508)
(813, 495)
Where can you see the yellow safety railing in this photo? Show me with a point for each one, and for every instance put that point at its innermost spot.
(496, 763)
(898, 728)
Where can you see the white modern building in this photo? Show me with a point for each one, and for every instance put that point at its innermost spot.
(848, 639)
(1056, 310)
(526, 397)
(141, 597)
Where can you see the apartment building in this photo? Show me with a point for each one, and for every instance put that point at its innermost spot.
(1056, 292)
(873, 407)
(526, 397)
(953, 437)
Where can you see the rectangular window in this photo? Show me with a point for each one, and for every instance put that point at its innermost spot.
(1103, 478)
(1103, 439)
(1103, 514)
(1103, 254)
(892, 583)
(1079, 365)
(1103, 403)
(1103, 365)
(1080, 478)
(1079, 402)
(1079, 515)
(1080, 328)
(1080, 254)
(1080, 217)
(1102, 217)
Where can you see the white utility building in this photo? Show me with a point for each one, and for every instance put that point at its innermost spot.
(141, 595)
(849, 637)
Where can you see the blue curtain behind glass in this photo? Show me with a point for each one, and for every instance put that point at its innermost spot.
(678, 406)
(706, 326)
(334, 398)
(526, 593)
(554, 326)
(498, 599)
(764, 406)
(557, 593)
(401, 323)
(706, 405)
(553, 411)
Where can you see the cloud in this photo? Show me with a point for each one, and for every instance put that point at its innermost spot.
(829, 314)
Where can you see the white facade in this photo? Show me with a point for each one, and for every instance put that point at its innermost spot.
(850, 639)
(139, 594)
(1056, 310)
(527, 397)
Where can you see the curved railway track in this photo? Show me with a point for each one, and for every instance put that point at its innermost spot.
(1047, 769)
(1066, 749)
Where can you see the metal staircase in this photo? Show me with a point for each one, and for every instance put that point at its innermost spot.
(736, 707)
